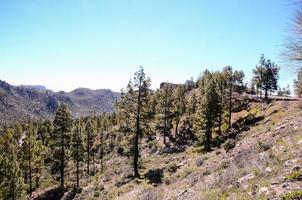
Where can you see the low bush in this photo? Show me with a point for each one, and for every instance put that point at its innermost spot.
(229, 144)
(294, 195)
(263, 146)
(294, 176)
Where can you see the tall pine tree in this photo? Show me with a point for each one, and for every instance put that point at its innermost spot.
(61, 139)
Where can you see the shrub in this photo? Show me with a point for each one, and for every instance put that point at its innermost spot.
(152, 144)
(206, 172)
(187, 170)
(294, 195)
(263, 146)
(172, 168)
(199, 161)
(224, 164)
(295, 176)
(229, 144)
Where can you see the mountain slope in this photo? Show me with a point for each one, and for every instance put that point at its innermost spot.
(264, 162)
(22, 102)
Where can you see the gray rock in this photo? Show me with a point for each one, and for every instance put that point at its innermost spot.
(285, 185)
(245, 178)
(295, 168)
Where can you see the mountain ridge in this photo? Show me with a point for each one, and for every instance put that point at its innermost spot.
(19, 103)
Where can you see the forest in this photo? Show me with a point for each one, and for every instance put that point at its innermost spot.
(223, 136)
(36, 153)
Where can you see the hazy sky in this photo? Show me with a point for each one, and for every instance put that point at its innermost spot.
(65, 44)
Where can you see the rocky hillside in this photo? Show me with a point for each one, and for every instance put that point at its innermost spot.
(262, 161)
(24, 102)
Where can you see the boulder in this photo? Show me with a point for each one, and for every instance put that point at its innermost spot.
(295, 168)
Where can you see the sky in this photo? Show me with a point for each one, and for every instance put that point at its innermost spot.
(66, 44)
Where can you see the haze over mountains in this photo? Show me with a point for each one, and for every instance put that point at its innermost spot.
(25, 101)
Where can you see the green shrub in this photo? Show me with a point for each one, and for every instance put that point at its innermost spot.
(206, 172)
(186, 171)
(263, 146)
(294, 176)
(295, 195)
(152, 144)
(172, 168)
(229, 144)
(224, 164)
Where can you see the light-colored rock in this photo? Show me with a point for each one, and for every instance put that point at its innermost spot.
(263, 190)
(245, 178)
(268, 169)
(280, 127)
(180, 164)
(289, 162)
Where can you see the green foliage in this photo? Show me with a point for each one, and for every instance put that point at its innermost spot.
(208, 109)
(11, 181)
(294, 195)
(266, 76)
(294, 176)
(229, 144)
(298, 83)
(33, 153)
(60, 143)
(164, 115)
(263, 146)
(134, 112)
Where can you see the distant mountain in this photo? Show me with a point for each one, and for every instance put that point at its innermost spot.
(24, 102)
(35, 87)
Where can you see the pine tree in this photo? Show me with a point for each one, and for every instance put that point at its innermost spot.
(298, 83)
(104, 127)
(90, 139)
(208, 108)
(133, 105)
(61, 139)
(220, 79)
(234, 80)
(179, 106)
(77, 149)
(266, 76)
(164, 113)
(33, 153)
(11, 182)
(191, 108)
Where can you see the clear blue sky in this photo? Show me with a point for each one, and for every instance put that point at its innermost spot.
(65, 44)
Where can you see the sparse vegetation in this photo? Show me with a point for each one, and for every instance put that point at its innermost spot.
(218, 137)
(294, 195)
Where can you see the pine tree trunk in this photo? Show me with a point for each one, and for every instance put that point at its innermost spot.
(165, 125)
(88, 152)
(208, 134)
(93, 157)
(37, 178)
(13, 189)
(220, 111)
(102, 152)
(30, 176)
(78, 179)
(136, 150)
(62, 160)
(230, 105)
(176, 127)
(29, 165)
